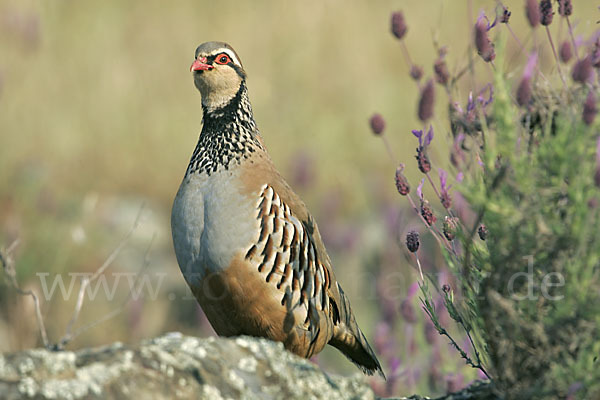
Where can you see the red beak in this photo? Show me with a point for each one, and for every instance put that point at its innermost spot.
(199, 65)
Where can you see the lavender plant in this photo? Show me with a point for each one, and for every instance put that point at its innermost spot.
(525, 156)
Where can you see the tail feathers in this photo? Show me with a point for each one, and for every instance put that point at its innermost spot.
(357, 350)
(349, 339)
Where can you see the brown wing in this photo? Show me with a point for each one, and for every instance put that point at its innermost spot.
(286, 256)
(291, 255)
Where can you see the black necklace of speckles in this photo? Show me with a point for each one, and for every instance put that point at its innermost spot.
(229, 134)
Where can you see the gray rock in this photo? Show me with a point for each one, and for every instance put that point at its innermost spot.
(175, 366)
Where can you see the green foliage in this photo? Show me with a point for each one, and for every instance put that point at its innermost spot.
(529, 290)
(537, 299)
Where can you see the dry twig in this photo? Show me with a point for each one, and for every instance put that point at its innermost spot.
(146, 261)
(8, 266)
(85, 282)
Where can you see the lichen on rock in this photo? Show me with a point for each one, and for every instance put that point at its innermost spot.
(174, 366)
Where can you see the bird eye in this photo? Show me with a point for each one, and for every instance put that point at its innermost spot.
(223, 59)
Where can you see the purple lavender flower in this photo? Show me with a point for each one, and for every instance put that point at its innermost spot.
(442, 76)
(469, 121)
(524, 89)
(565, 52)
(377, 123)
(483, 44)
(524, 92)
(419, 135)
(429, 136)
(565, 7)
(412, 241)
(443, 179)
(427, 213)
(589, 108)
(401, 182)
(582, 70)
(505, 16)
(416, 72)
(449, 227)
(487, 25)
(444, 189)
(426, 101)
(470, 110)
(422, 158)
(482, 100)
(532, 10)
(531, 65)
(546, 12)
(399, 27)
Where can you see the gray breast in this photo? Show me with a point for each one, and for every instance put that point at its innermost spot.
(211, 222)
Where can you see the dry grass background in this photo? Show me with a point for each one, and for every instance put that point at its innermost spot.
(98, 114)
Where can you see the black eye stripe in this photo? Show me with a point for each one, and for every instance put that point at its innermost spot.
(231, 64)
(218, 56)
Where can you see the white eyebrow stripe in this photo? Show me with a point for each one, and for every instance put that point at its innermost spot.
(229, 53)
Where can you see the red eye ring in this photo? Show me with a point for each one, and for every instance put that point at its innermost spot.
(222, 59)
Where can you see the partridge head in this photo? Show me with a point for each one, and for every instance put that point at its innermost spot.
(245, 242)
(218, 73)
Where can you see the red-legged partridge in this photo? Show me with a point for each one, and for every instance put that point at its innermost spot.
(245, 242)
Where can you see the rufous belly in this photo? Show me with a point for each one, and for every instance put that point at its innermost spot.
(238, 301)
